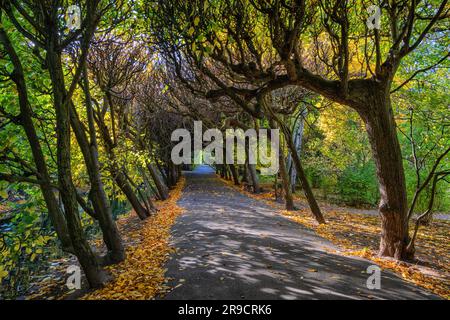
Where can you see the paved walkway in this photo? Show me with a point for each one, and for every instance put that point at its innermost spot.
(230, 246)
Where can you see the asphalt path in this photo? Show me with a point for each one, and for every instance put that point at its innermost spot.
(230, 246)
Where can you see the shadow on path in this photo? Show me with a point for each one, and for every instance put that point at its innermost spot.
(230, 246)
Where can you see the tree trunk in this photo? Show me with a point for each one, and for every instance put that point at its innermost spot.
(89, 149)
(94, 274)
(178, 173)
(163, 173)
(244, 174)
(221, 171)
(304, 181)
(227, 172)
(125, 187)
(286, 185)
(173, 174)
(298, 139)
(381, 129)
(298, 165)
(159, 182)
(149, 206)
(254, 178)
(234, 174)
(289, 201)
(148, 185)
(170, 175)
(275, 187)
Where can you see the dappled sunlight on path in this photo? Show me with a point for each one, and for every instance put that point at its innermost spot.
(230, 246)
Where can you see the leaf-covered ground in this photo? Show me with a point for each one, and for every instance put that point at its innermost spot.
(358, 234)
(141, 275)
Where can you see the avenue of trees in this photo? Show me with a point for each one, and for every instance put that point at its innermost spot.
(86, 114)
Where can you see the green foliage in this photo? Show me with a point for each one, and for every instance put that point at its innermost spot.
(424, 127)
(358, 185)
(337, 157)
(27, 242)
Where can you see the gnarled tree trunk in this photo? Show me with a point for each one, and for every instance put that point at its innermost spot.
(381, 129)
